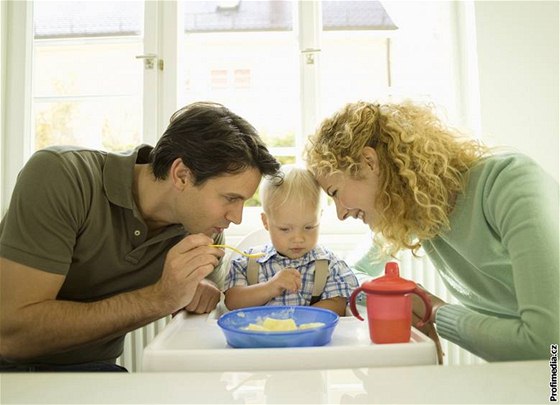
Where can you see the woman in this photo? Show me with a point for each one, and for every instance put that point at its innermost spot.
(488, 222)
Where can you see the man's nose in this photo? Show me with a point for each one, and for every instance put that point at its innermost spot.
(235, 215)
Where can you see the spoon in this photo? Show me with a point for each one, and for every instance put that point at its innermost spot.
(249, 255)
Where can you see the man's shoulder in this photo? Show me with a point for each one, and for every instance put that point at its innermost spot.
(69, 156)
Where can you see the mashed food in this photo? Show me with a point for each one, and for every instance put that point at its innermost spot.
(281, 325)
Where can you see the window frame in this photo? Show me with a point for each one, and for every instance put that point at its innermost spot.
(160, 86)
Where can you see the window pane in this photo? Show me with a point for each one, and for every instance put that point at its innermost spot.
(354, 52)
(243, 54)
(87, 83)
(237, 15)
(355, 15)
(80, 19)
(103, 123)
(353, 67)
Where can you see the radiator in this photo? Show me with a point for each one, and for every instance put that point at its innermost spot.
(418, 269)
(422, 271)
(135, 342)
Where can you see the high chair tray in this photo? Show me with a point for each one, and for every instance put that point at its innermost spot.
(196, 343)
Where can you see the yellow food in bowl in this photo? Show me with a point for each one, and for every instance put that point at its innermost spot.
(281, 325)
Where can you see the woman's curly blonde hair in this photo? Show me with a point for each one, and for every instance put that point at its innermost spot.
(422, 165)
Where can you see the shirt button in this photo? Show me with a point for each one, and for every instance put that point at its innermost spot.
(137, 233)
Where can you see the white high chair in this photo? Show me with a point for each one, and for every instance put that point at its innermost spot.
(254, 238)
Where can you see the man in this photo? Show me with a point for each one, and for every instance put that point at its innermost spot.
(96, 244)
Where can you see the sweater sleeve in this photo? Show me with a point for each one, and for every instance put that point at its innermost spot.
(365, 261)
(520, 204)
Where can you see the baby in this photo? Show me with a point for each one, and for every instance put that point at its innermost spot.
(294, 270)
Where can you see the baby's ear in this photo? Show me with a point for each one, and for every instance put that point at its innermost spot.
(264, 219)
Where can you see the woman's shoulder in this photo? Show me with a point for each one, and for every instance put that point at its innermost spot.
(506, 168)
(507, 161)
(504, 180)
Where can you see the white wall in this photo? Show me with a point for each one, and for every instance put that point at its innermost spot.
(517, 43)
(3, 36)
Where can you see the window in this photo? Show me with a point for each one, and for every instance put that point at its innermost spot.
(218, 79)
(242, 78)
(87, 83)
(282, 65)
(248, 51)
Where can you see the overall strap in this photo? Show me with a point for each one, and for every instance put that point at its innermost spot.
(320, 279)
(252, 271)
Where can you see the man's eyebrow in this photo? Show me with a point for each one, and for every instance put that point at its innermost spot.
(236, 195)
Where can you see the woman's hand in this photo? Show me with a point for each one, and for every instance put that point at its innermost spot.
(428, 329)
(418, 307)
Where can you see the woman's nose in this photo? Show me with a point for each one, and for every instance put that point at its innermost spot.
(341, 211)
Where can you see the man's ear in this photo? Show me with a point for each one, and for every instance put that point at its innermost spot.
(369, 156)
(264, 220)
(180, 174)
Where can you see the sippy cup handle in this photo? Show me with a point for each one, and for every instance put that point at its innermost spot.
(428, 306)
(353, 303)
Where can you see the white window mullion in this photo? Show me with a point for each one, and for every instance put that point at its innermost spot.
(3, 40)
(466, 62)
(150, 124)
(309, 30)
(170, 42)
(162, 37)
(16, 134)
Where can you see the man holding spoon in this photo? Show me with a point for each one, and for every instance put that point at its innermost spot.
(96, 244)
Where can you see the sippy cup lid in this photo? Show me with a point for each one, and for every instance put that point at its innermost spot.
(391, 282)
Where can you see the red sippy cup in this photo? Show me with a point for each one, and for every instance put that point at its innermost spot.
(389, 306)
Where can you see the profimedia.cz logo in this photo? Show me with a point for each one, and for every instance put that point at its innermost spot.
(553, 373)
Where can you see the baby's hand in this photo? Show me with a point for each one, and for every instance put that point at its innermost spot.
(288, 279)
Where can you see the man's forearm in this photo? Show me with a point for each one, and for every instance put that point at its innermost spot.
(54, 325)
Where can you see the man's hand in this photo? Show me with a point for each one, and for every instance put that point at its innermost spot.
(186, 265)
(205, 298)
(33, 322)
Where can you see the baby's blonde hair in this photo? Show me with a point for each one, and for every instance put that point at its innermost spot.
(422, 165)
(296, 184)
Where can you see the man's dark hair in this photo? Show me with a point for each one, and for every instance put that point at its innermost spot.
(211, 141)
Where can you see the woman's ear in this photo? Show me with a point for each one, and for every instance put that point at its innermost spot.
(180, 174)
(264, 220)
(370, 158)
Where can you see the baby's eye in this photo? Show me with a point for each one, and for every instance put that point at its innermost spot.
(310, 227)
(284, 229)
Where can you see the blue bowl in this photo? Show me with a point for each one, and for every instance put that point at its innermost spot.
(232, 324)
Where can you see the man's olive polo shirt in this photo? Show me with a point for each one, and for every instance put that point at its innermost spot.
(73, 213)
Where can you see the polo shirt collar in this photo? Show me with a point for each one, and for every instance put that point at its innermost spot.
(118, 175)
